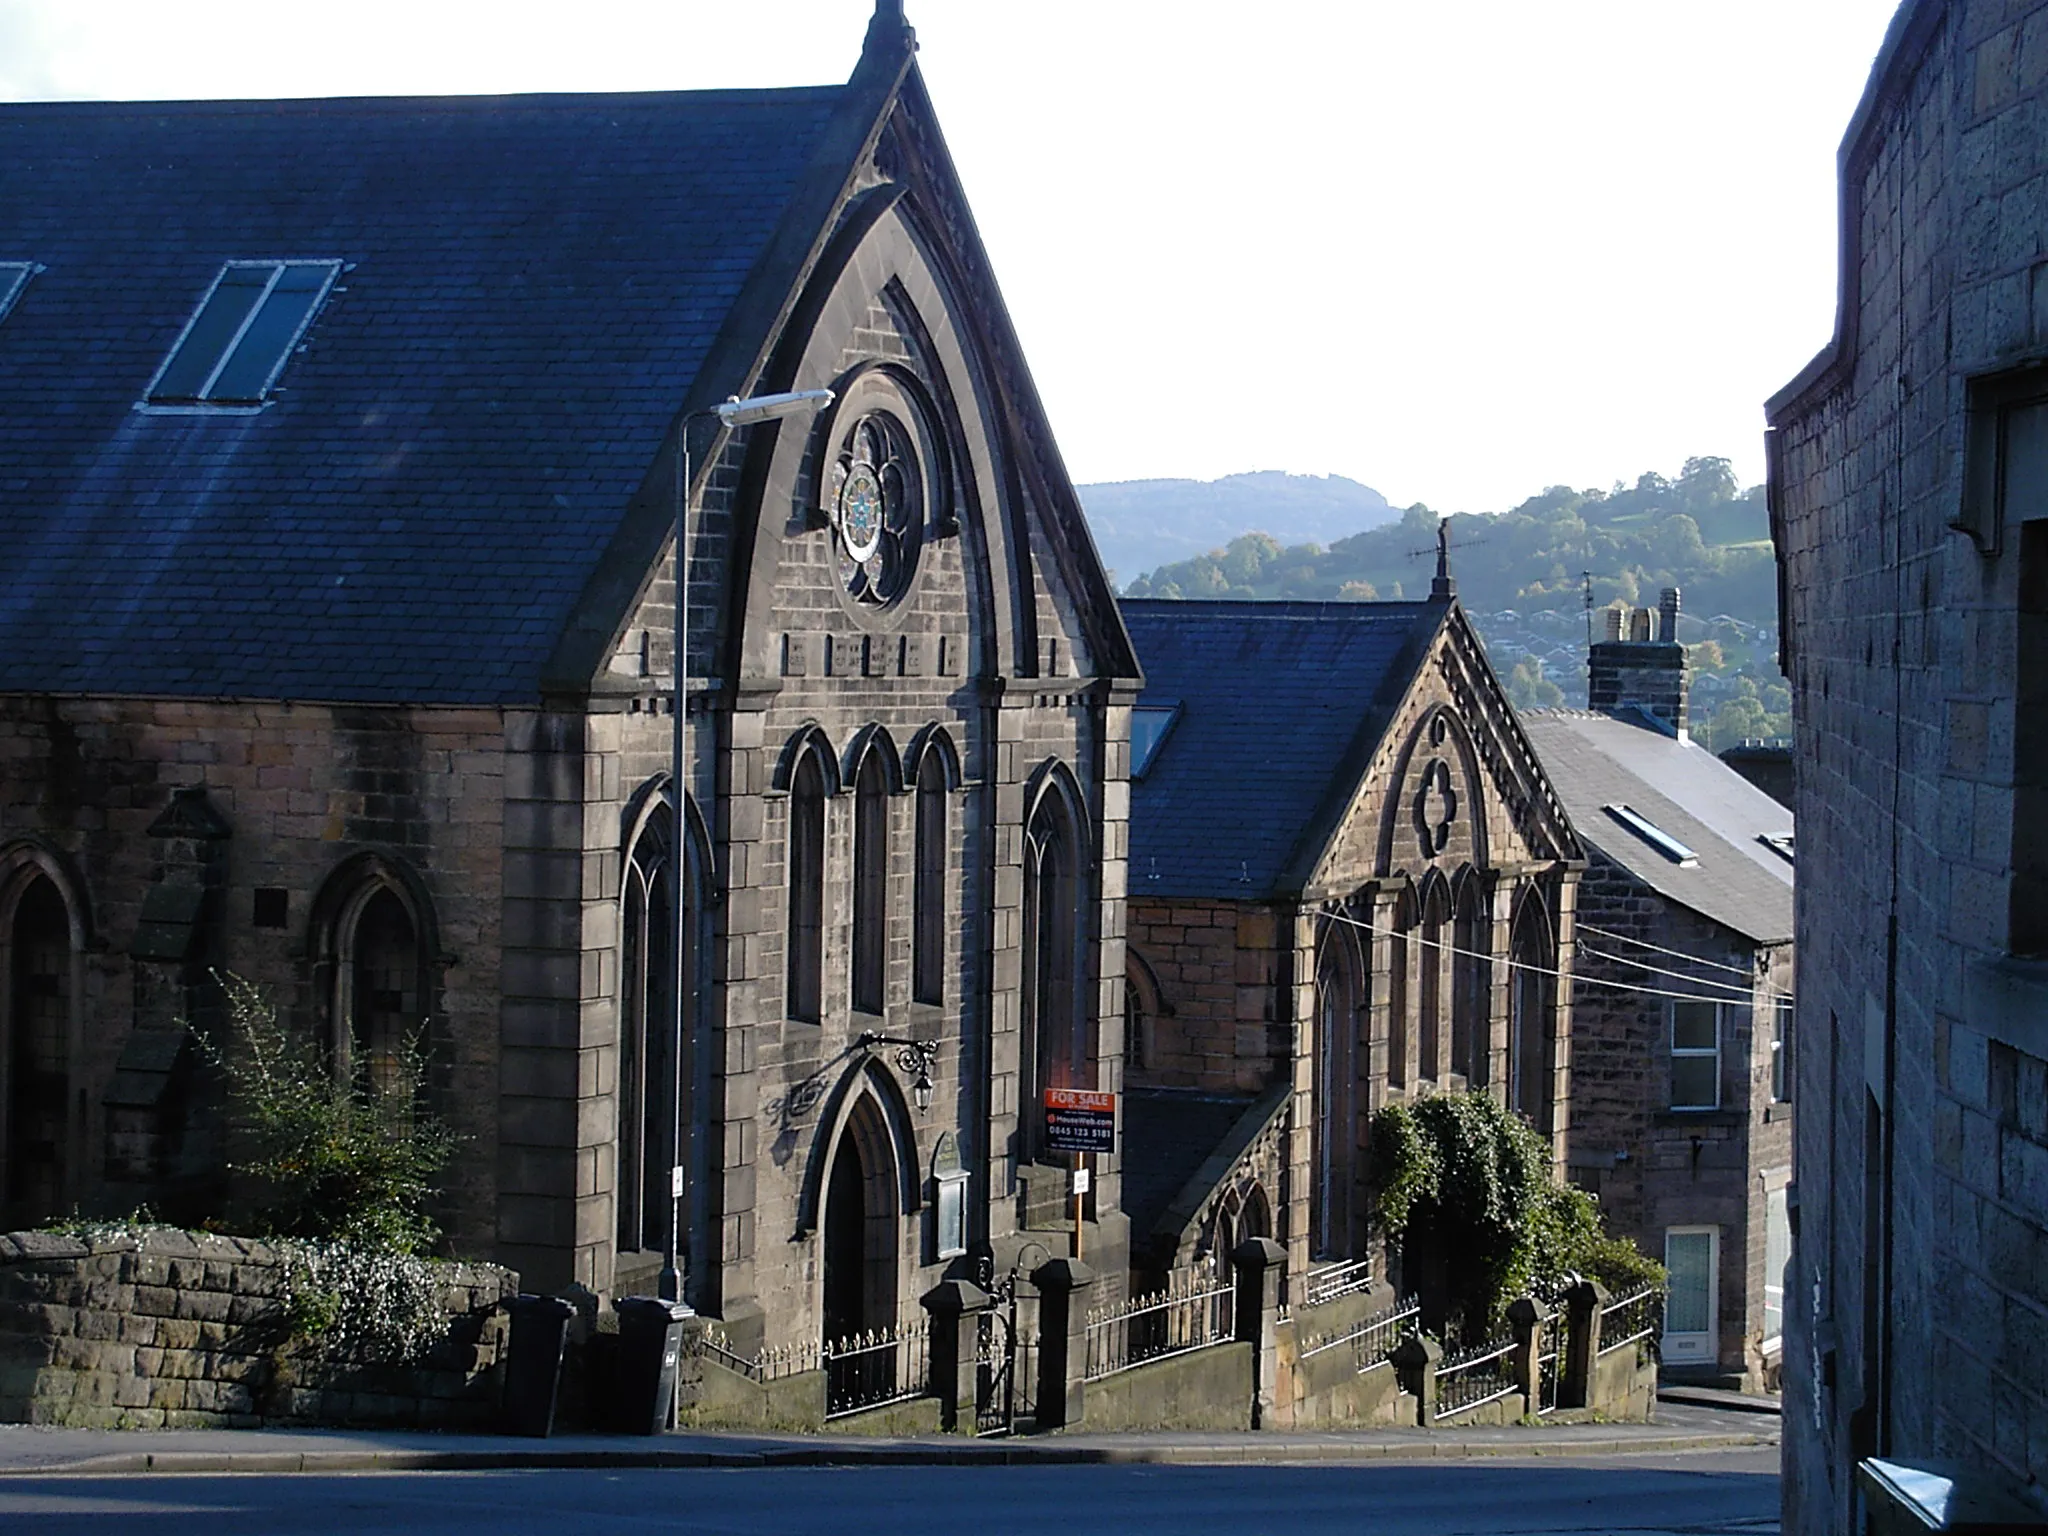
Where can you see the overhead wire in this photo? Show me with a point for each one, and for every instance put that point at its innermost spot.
(1414, 937)
(1625, 938)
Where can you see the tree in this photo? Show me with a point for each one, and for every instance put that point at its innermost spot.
(1529, 689)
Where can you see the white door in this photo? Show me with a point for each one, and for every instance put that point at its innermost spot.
(1692, 1256)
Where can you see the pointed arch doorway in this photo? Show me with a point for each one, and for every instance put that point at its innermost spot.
(859, 1232)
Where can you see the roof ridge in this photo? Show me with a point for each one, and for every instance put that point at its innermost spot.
(273, 106)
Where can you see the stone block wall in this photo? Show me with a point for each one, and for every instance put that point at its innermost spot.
(174, 1330)
(1219, 967)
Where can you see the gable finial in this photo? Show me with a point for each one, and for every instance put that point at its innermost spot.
(1443, 586)
(888, 28)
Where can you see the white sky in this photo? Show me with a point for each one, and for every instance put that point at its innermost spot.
(1457, 251)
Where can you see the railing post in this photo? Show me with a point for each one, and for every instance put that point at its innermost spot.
(1062, 1340)
(1255, 1315)
(955, 1308)
(1582, 1304)
(1415, 1360)
(1530, 1318)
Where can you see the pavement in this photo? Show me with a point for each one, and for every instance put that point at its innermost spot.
(31, 1451)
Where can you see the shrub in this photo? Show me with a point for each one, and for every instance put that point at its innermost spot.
(1458, 1172)
(338, 1162)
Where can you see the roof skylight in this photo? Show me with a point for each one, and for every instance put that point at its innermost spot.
(1150, 724)
(1777, 844)
(14, 276)
(236, 344)
(1654, 835)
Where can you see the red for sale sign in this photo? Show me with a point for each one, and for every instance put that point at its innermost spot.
(1079, 1120)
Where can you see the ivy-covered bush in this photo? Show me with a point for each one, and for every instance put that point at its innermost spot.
(1458, 1177)
(337, 1160)
(360, 1305)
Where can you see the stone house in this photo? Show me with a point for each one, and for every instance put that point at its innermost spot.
(341, 444)
(1681, 1088)
(1909, 507)
(1338, 832)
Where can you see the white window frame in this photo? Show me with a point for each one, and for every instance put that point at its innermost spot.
(1781, 1050)
(1696, 1348)
(1676, 1054)
(1776, 1201)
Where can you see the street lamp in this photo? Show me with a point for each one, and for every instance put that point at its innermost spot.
(917, 1057)
(729, 414)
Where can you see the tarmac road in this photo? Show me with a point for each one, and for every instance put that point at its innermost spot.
(1698, 1493)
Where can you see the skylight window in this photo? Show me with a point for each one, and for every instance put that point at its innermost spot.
(14, 276)
(1779, 845)
(1654, 835)
(235, 346)
(1149, 727)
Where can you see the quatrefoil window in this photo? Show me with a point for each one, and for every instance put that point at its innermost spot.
(874, 499)
(1436, 808)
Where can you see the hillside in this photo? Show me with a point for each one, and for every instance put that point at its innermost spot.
(1140, 524)
(1523, 575)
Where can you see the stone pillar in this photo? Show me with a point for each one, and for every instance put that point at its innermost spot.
(1531, 1321)
(1062, 1340)
(1260, 1262)
(1415, 1359)
(955, 1308)
(1582, 1304)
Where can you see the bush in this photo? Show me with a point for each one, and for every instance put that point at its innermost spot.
(1459, 1172)
(362, 1305)
(339, 1162)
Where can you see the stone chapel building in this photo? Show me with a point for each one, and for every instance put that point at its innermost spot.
(1396, 919)
(339, 460)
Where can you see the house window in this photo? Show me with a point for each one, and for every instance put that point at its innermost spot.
(1150, 724)
(647, 1076)
(14, 276)
(235, 346)
(1471, 987)
(928, 980)
(1336, 1122)
(1430, 967)
(806, 938)
(37, 1065)
(1781, 1051)
(387, 1023)
(1058, 1049)
(1695, 1055)
(870, 884)
(1691, 1307)
(1403, 918)
(1777, 1260)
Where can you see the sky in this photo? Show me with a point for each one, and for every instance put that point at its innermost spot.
(1459, 252)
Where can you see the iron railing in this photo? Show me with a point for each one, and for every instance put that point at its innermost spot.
(1548, 1372)
(872, 1369)
(769, 1365)
(1372, 1340)
(1334, 1280)
(1475, 1377)
(1186, 1316)
(1638, 1319)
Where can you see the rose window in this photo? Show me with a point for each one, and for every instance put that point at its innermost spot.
(874, 505)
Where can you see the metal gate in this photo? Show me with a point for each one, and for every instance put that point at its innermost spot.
(1006, 1360)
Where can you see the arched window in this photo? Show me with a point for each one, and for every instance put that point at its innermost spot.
(1057, 1050)
(1431, 962)
(806, 939)
(1531, 1065)
(1339, 991)
(647, 1030)
(387, 1017)
(870, 884)
(929, 915)
(1403, 919)
(38, 1052)
(1472, 986)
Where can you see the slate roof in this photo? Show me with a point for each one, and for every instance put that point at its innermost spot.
(533, 285)
(1179, 1145)
(1276, 699)
(1595, 760)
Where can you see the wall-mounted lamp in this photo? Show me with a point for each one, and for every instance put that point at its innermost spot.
(916, 1058)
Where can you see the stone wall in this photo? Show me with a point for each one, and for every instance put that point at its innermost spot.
(177, 1330)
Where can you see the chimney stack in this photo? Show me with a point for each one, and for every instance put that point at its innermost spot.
(1631, 673)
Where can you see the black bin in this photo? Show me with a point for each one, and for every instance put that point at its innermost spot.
(533, 1374)
(644, 1376)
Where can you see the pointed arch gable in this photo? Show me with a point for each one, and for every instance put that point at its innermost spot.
(21, 859)
(866, 1080)
(874, 740)
(42, 1110)
(809, 738)
(932, 751)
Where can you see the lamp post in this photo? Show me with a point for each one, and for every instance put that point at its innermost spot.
(731, 413)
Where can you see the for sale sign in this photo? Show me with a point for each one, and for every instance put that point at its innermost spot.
(1079, 1120)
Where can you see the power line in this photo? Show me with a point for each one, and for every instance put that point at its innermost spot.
(1523, 965)
(1658, 970)
(1660, 949)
